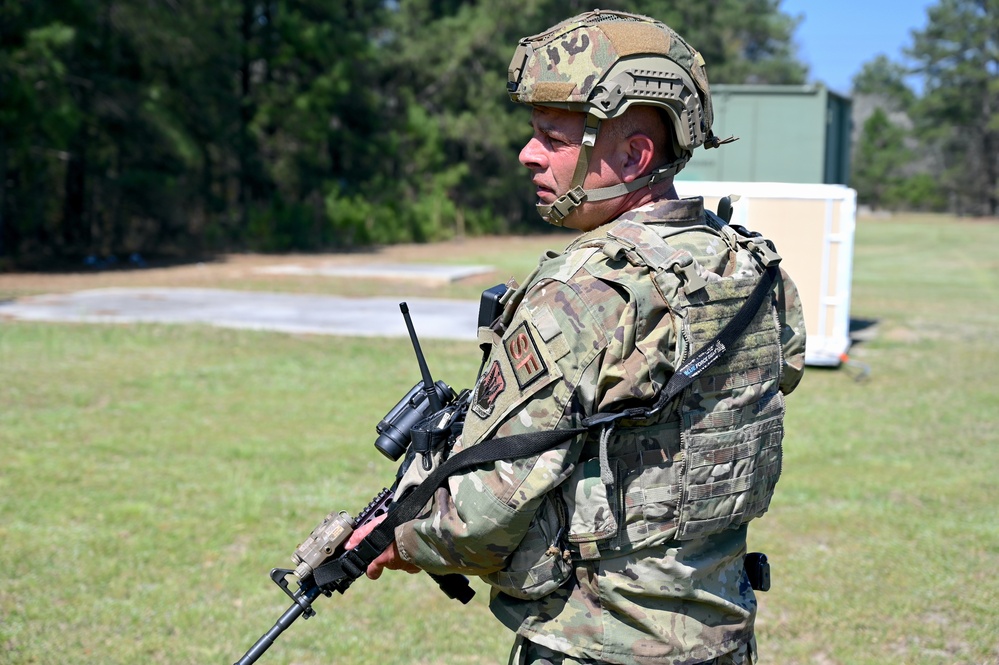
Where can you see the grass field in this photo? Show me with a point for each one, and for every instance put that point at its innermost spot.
(150, 476)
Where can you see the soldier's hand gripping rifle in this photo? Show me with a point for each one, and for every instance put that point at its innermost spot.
(322, 563)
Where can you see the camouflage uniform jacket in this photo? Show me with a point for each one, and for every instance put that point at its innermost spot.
(580, 338)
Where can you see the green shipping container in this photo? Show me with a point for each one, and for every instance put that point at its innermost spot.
(787, 133)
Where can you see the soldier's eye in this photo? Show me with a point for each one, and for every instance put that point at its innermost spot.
(556, 140)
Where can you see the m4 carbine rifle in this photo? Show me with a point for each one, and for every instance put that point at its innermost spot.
(323, 565)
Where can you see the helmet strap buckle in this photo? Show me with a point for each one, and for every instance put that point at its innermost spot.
(566, 204)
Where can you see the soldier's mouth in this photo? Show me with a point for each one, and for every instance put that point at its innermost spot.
(543, 191)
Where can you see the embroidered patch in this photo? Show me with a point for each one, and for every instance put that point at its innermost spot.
(528, 366)
(489, 388)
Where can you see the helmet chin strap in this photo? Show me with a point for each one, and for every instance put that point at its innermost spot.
(556, 213)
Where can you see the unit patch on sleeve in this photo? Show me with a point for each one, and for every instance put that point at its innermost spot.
(522, 352)
(488, 389)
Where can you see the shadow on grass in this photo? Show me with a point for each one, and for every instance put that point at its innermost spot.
(863, 330)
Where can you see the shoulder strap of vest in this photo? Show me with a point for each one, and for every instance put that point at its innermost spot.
(653, 250)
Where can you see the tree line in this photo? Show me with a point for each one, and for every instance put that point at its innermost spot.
(175, 127)
(937, 149)
(179, 126)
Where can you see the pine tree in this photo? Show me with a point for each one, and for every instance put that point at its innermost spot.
(957, 55)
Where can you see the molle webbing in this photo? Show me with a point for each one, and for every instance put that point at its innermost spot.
(732, 417)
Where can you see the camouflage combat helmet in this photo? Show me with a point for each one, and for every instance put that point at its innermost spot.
(601, 63)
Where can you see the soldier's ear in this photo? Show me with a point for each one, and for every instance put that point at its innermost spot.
(637, 156)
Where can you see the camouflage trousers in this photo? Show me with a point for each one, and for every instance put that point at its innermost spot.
(529, 653)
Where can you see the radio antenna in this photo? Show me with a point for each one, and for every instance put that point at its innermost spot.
(428, 382)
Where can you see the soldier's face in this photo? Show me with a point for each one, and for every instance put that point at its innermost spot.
(551, 156)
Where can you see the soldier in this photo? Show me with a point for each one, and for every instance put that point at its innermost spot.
(626, 544)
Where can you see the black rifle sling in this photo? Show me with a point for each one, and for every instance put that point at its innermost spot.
(353, 563)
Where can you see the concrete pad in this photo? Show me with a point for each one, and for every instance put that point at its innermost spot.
(285, 312)
(425, 272)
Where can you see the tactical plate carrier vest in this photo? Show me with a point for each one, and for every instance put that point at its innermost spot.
(707, 462)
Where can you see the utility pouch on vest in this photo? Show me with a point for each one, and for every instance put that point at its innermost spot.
(541, 563)
(593, 508)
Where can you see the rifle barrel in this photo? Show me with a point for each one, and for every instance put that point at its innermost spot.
(291, 614)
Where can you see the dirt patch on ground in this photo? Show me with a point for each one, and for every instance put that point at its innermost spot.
(236, 269)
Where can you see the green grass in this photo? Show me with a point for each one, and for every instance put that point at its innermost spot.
(152, 475)
(884, 531)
